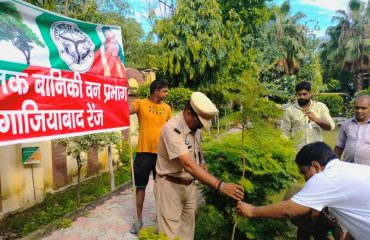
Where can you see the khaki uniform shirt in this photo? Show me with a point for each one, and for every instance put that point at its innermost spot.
(176, 139)
(296, 125)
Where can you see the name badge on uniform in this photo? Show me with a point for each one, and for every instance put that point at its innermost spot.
(179, 128)
(187, 141)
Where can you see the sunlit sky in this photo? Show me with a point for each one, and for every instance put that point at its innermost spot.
(321, 11)
(315, 10)
(141, 8)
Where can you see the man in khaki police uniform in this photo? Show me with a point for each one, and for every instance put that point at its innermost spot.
(178, 166)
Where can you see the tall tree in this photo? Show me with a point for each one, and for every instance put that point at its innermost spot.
(198, 45)
(254, 13)
(14, 30)
(289, 37)
(349, 42)
(283, 47)
(312, 72)
(84, 10)
(331, 58)
(46, 4)
(120, 7)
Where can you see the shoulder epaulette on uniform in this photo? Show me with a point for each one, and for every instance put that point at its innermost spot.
(178, 128)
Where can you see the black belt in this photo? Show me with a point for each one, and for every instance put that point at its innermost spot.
(178, 180)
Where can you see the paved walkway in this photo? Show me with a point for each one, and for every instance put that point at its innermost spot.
(110, 220)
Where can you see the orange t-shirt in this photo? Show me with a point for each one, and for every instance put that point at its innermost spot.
(151, 116)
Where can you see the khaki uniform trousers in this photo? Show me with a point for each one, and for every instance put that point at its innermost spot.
(176, 205)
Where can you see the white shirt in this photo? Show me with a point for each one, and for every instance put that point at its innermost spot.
(345, 189)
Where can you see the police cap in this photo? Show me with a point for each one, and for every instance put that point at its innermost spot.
(204, 107)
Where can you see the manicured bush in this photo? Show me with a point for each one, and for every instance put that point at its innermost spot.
(177, 97)
(334, 102)
(143, 91)
(270, 169)
(363, 92)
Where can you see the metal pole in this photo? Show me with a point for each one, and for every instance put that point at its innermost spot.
(218, 124)
(33, 184)
(111, 172)
(133, 176)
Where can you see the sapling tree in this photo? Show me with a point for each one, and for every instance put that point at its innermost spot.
(258, 157)
(254, 108)
(78, 147)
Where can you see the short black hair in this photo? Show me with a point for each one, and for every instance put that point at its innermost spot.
(157, 85)
(316, 151)
(303, 86)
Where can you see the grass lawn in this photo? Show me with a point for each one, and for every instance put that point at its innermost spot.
(330, 137)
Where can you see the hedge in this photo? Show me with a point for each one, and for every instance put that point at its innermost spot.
(334, 102)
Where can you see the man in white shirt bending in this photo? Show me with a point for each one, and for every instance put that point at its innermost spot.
(341, 186)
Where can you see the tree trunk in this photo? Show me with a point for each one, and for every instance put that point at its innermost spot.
(358, 82)
(27, 55)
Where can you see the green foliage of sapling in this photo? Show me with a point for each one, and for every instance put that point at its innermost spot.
(270, 168)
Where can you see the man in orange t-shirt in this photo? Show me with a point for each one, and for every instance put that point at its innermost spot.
(152, 114)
